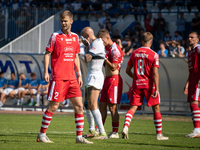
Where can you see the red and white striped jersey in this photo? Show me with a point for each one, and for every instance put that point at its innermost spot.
(143, 60)
(194, 64)
(63, 48)
(115, 54)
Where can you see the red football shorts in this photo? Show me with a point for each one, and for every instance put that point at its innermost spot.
(193, 93)
(59, 90)
(112, 89)
(137, 96)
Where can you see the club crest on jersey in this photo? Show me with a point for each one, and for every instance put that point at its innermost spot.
(74, 39)
(69, 49)
(61, 39)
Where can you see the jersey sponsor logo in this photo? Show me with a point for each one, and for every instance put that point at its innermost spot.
(69, 42)
(69, 54)
(69, 49)
(68, 39)
(69, 59)
(93, 48)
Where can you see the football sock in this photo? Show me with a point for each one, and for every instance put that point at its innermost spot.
(46, 121)
(14, 100)
(115, 126)
(22, 100)
(98, 120)
(90, 120)
(18, 101)
(68, 101)
(128, 118)
(63, 102)
(196, 116)
(79, 120)
(32, 100)
(38, 98)
(158, 122)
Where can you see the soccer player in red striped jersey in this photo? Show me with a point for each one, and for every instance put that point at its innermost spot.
(192, 87)
(112, 88)
(145, 64)
(63, 47)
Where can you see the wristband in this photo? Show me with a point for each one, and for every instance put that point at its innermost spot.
(79, 73)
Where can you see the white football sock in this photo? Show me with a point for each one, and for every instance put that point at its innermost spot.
(68, 101)
(32, 100)
(38, 98)
(98, 120)
(197, 130)
(90, 120)
(22, 100)
(18, 101)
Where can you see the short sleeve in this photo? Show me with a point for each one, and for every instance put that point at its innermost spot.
(115, 56)
(156, 60)
(51, 44)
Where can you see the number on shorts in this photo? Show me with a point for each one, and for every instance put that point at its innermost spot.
(56, 95)
(140, 69)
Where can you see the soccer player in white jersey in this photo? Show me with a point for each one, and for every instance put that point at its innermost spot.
(95, 78)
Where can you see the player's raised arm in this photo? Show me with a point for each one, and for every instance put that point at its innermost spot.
(112, 66)
(46, 64)
(78, 70)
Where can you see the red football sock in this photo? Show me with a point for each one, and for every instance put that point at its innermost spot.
(79, 120)
(46, 121)
(158, 122)
(195, 114)
(115, 126)
(128, 118)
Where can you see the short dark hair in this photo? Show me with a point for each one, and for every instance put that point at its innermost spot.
(32, 74)
(13, 73)
(1, 72)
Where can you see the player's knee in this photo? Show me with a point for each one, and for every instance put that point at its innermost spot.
(156, 108)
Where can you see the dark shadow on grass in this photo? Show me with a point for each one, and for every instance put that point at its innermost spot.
(175, 146)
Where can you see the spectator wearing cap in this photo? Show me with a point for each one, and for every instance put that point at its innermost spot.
(128, 49)
(163, 52)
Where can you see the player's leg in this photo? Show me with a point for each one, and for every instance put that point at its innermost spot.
(3, 98)
(38, 97)
(12, 96)
(31, 97)
(158, 122)
(23, 93)
(196, 119)
(47, 116)
(93, 95)
(89, 116)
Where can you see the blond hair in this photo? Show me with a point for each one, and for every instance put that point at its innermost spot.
(66, 13)
(147, 37)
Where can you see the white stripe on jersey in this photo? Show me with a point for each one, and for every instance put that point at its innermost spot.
(197, 94)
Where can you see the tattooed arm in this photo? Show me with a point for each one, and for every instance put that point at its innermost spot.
(88, 58)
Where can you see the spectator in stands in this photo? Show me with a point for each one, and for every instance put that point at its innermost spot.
(167, 36)
(128, 49)
(3, 82)
(126, 7)
(119, 43)
(107, 6)
(180, 50)
(32, 88)
(109, 25)
(12, 84)
(26, 4)
(34, 4)
(102, 21)
(136, 43)
(163, 52)
(15, 7)
(29, 20)
(172, 47)
(76, 6)
(193, 3)
(116, 35)
(180, 23)
(159, 28)
(128, 33)
(196, 23)
(141, 32)
(177, 37)
(184, 44)
(42, 90)
(58, 5)
(97, 8)
(82, 48)
(22, 85)
(149, 22)
(21, 22)
(85, 7)
(137, 27)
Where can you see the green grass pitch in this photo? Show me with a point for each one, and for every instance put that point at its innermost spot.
(20, 132)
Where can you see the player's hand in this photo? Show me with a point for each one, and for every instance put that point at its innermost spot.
(80, 81)
(46, 77)
(186, 90)
(155, 94)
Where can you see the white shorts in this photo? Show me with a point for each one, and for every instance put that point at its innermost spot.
(95, 80)
(7, 91)
(1, 90)
(19, 89)
(42, 90)
(34, 91)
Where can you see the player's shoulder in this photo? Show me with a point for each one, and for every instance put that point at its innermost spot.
(74, 35)
(56, 33)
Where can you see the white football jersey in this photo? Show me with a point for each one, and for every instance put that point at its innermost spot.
(95, 75)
